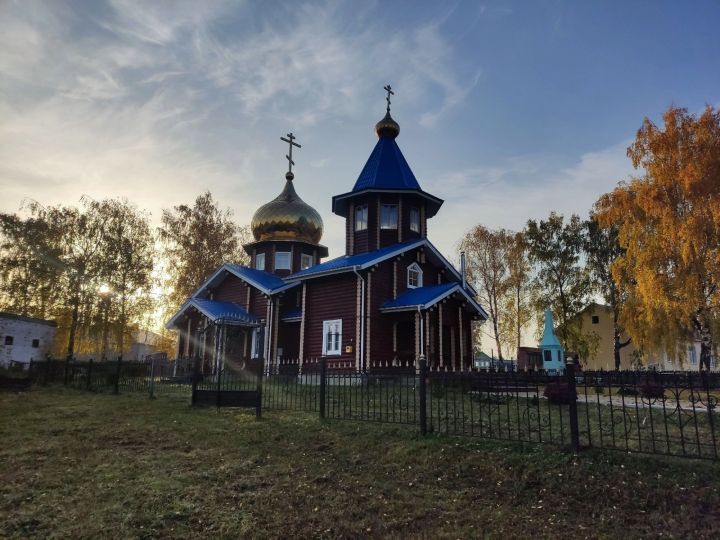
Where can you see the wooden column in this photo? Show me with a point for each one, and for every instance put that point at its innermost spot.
(302, 327)
(368, 351)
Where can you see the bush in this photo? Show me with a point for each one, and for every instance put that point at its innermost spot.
(627, 391)
(652, 390)
(559, 393)
(600, 390)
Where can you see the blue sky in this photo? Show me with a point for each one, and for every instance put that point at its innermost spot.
(507, 109)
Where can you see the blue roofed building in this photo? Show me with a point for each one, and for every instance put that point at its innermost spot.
(390, 300)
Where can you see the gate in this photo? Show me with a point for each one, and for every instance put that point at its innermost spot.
(229, 386)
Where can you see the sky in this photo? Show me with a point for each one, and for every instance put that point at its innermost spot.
(508, 110)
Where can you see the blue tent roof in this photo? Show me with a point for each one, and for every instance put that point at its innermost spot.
(419, 296)
(386, 168)
(346, 262)
(215, 310)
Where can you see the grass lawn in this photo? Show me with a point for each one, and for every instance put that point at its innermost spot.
(76, 464)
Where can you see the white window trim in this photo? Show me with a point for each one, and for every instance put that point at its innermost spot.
(259, 257)
(415, 267)
(334, 351)
(304, 257)
(289, 258)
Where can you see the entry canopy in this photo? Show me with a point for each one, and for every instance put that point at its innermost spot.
(216, 311)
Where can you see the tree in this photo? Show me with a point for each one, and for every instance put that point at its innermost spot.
(29, 271)
(668, 221)
(561, 282)
(127, 259)
(602, 249)
(486, 253)
(517, 305)
(196, 240)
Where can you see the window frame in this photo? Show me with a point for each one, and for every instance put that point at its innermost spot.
(35, 343)
(414, 219)
(383, 225)
(9, 341)
(335, 348)
(364, 222)
(289, 260)
(304, 257)
(595, 319)
(414, 268)
(259, 257)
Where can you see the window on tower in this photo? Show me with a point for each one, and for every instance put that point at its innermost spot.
(388, 216)
(361, 217)
(282, 260)
(260, 261)
(306, 261)
(415, 220)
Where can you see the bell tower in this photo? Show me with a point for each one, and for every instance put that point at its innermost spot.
(386, 205)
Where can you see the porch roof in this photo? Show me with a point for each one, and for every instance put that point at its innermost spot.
(426, 297)
(216, 310)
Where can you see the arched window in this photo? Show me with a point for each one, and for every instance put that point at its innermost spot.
(414, 276)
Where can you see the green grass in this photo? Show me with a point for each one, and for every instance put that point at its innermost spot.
(75, 464)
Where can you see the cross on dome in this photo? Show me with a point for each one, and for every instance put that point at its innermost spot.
(389, 91)
(291, 142)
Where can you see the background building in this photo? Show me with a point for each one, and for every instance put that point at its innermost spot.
(23, 339)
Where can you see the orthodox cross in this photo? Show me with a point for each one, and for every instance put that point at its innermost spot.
(291, 141)
(389, 91)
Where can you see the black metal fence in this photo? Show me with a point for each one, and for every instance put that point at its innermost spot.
(649, 412)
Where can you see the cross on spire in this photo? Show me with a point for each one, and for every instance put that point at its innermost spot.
(389, 91)
(291, 141)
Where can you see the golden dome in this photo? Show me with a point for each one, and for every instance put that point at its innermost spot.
(287, 217)
(387, 127)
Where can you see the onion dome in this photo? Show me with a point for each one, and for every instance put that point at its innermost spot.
(287, 217)
(387, 127)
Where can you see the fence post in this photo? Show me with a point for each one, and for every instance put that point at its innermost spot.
(65, 375)
(89, 373)
(152, 379)
(574, 431)
(258, 388)
(423, 395)
(195, 379)
(30, 370)
(48, 367)
(323, 382)
(116, 390)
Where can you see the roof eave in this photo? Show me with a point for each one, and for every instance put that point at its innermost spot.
(339, 202)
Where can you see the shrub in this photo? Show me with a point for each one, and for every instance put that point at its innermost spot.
(652, 390)
(627, 391)
(559, 393)
(600, 390)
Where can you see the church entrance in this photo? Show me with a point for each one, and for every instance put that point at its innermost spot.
(405, 342)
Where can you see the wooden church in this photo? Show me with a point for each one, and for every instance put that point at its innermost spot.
(392, 298)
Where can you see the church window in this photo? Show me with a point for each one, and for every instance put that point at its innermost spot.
(388, 216)
(306, 261)
(260, 261)
(415, 220)
(414, 276)
(361, 217)
(282, 260)
(332, 336)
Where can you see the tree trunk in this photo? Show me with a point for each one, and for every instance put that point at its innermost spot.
(705, 349)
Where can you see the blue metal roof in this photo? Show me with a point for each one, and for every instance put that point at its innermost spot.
(386, 168)
(346, 262)
(420, 296)
(215, 310)
(269, 281)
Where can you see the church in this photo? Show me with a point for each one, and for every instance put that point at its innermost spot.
(391, 299)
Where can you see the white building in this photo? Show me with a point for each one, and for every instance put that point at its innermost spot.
(23, 339)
